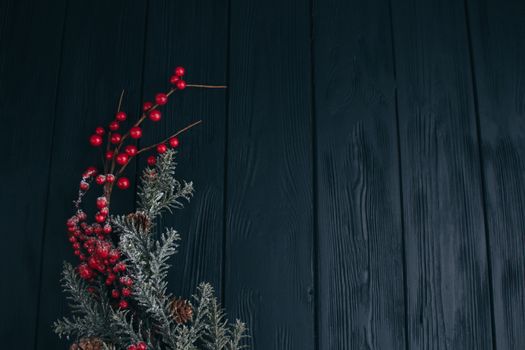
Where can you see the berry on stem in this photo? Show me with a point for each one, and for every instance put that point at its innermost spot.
(174, 79)
(121, 116)
(99, 131)
(181, 85)
(109, 154)
(122, 158)
(115, 294)
(152, 160)
(110, 178)
(102, 202)
(155, 115)
(131, 150)
(84, 186)
(162, 148)
(161, 99)
(174, 142)
(115, 138)
(180, 71)
(114, 125)
(135, 132)
(95, 140)
(147, 106)
(123, 183)
(123, 304)
(100, 179)
(142, 346)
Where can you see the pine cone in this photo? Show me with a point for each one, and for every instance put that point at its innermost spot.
(88, 344)
(181, 310)
(140, 221)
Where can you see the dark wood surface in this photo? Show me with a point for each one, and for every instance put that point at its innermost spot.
(498, 56)
(360, 238)
(448, 285)
(30, 44)
(360, 184)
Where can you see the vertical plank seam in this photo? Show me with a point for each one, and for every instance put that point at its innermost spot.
(48, 189)
(225, 161)
(400, 177)
(481, 164)
(141, 94)
(315, 221)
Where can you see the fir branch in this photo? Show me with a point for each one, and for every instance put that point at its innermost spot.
(159, 190)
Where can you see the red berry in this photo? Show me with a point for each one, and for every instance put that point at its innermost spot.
(107, 229)
(99, 131)
(114, 125)
(100, 179)
(109, 155)
(102, 202)
(90, 171)
(84, 271)
(100, 218)
(174, 79)
(84, 186)
(123, 183)
(135, 132)
(181, 85)
(122, 158)
(152, 160)
(110, 178)
(180, 71)
(132, 347)
(174, 142)
(95, 140)
(123, 304)
(103, 250)
(115, 138)
(146, 106)
(104, 211)
(154, 115)
(131, 150)
(126, 292)
(161, 99)
(142, 346)
(162, 148)
(121, 116)
(115, 293)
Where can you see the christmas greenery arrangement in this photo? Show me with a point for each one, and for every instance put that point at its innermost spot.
(118, 292)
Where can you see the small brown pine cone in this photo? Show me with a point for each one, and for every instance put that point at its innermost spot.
(88, 344)
(181, 310)
(140, 221)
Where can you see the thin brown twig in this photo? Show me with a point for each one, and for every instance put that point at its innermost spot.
(161, 142)
(207, 86)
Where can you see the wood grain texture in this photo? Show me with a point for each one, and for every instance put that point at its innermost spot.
(498, 38)
(30, 42)
(269, 267)
(103, 50)
(192, 34)
(447, 274)
(361, 282)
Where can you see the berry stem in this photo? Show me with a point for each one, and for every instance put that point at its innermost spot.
(207, 86)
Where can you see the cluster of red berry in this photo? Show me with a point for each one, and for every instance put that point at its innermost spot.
(139, 346)
(92, 243)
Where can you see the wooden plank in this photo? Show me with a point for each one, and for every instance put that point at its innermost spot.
(269, 241)
(447, 273)
(103, 51)
(192, 34)
(498, 51)
(361, 289)
(30, 42)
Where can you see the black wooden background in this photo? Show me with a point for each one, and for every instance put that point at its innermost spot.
(360, 184)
